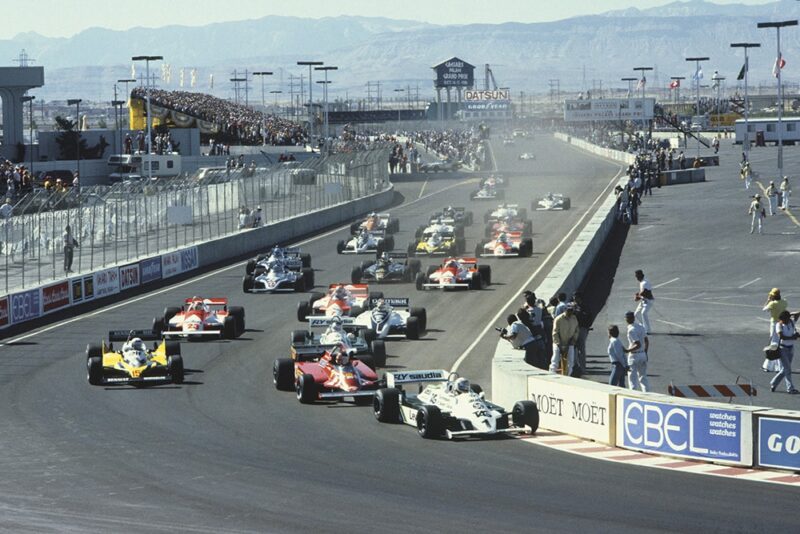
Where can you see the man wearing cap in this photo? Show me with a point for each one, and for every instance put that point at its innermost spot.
(772, 198)
(757, 214)
(565, 335)
(638, 344)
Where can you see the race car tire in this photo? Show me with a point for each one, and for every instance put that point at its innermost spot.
(522, 213)
(526, 247)
(489, 231)
(388, 243)
(373, 295)
(366, 264)
(308, 278)
(251, 266)
(315, 296)
(355, 275)
(305, 260)
(468, 218)
(248, 283)
(300, 336)
(487, 216)
(238, 313)
(158, 325)
(525, 413)
(476, 388)
(172, 348)
(378, 349)
(394, 224)
(459, 230)
(283, 374)
(340, 246)
(422, 315)
(430, 423)
(94, 370)
(259, 271)
(479, 248)
(486, 274)
(306, 389)
(412, 328)
(528, 227)
(175, 368)
(411, 250)
(362, 400)
(303, 311)
(476, 282)
(567, 204)
(370, 335)
(461, 245)
(420, 280)
(386, 405)
(94, 350)
(367, 360)
(355, 227)
(169, 313)
(229, 329)
(420, 230)
(380, 248)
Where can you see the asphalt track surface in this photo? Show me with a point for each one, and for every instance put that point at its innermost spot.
(227, 452)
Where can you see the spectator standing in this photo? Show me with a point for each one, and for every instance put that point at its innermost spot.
(681, 161)
(775, 306)
(258, 220)
(561, 305)
(638, 345)
(584, 324)
(645, 299)
(787, 334)
(76, 181)
(69, 248)
(772, 198)
(565, 335)
(616, 353)
(520, 338)
(785, 192)
(757, 214)
(7, 209)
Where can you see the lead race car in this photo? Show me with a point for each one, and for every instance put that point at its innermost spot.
(292, 258)
(134, 364)
(366, 242)
(376, 222)
(201, 318)
(495, 180)
(341, 299)
(388, 267)
(455, 273)
(448, 406)
(505, 245)
(277, 277)
(393, 316)
(337, 374)
(552, 202)
(527, 156)
(487, 192)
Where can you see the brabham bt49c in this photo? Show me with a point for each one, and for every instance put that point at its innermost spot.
(504, 211)
(340, 331)
(453, 216)
(134, 364)
(201, 318)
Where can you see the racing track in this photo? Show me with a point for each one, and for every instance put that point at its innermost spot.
(227, 452)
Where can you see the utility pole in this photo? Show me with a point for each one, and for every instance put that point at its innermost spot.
(746, 141)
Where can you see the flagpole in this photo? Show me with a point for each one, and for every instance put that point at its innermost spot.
(746, 97)
(697, 75)
(643, 83)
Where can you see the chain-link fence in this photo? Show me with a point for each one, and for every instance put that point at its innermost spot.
(53, 233)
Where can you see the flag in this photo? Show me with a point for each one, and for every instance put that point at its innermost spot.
(211, 80)
(779, 64)
(641, 83)
(133, 71)
(698, 75)
(181, 78)
(675, 84)
(194, 77)
(743, 71)
(715, 79)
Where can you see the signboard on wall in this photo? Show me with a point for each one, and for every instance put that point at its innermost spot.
(480, 96)
(609, 109)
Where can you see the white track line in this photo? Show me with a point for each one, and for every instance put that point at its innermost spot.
(748, 283)
(673, 324)
(199, 278)
(527, 282)
(665, 283)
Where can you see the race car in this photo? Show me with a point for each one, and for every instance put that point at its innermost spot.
(455, 273)
(375, 222)
(201, 318)
(445, 405)
(551, 202)
(505, 245)
(134, 364)
(341, 299)
(278, 278)
(527, 156)
(508, 141)
(385, 319)
(389, 267)
(495, 180)
(438, 225)
(366, 243)
(432, 243)
(487, 192)
(453, 216)
(509, 224)
(338, 373)
(340, 330)
(502, 211)
(440, 166)
(292, 259)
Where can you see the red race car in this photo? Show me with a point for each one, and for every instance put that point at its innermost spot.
(506, 245)
(455, 273)
(201, 318)
(341, 299)
(334, 375)
(509, 224)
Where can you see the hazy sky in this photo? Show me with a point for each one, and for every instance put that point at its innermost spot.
(58, 18)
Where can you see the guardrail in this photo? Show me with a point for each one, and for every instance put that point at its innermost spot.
(749, 436)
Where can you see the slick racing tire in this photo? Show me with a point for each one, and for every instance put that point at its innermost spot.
(229, 329)
(394, 225)
(414, 266)
(567, 204)
(308, 278)
(248, 283)
(476, 282)
(300, 336)
(479, 248)
(486, 274)
(527, 227)
(461, 246)
(459, 230)
(386, 405)
(340, 246)
(94, 370)
(305, 260)
(420, 280)
(283, 374)
(355, 275)
(251, 266)
(367, 360)
(420, 231)
(430, 424)
(431, 269)
(526, 413)
(172, 348)
(526, 248)
(237, 312)
(388, 243)
(303, 311)
(468, 218)
(378, 349)
(411, 250)
(366, 264)
(422, 316)
(413, 328)
(175, 368)
(158, 325)
(306, 389)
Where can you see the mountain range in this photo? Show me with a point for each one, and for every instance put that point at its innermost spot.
(579, 51)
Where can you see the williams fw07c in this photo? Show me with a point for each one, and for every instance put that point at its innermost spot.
(452, 216)
(134, 364)
(339, 331)
(389, 267)
(455, 273)
(551, 202)
(201, 318)
(392, 316)
(503, 211)
(448, 406)
(292, 258)
(366, 243)
(277, 277)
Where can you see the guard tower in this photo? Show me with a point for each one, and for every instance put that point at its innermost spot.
(14, 82)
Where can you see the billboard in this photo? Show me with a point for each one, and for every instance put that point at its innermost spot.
(128, 276)
(779, 443)
(487, 105)
(82, 289)
(25, 306)
(4, 315)
(609, 109)
(454, 72)
(479, 96)
(150, 270)
(106, 282)
(55, 296)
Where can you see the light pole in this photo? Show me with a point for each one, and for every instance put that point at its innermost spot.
(643, 83)
(325, 86)
(275, 104)
(697, 75)
(117, 112)
(126, 81)
(147, 60)
(261, 75)
(777, 72)
(677, 79)
(398, 101)
(630, 81)
(77, 103)
(29, 99)
(310, 65)
(718, 81)
(746, 140)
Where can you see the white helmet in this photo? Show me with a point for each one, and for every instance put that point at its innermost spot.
(462, 385)
(137, 344)
(336, 323)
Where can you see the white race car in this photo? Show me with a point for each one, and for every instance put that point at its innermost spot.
(527, 156)
(375, 222)
(277, 277)
(366, 243)
(449, 406)
(550, 202)
(503, 211)
(386, 319)
(487, 192)
(292, 258)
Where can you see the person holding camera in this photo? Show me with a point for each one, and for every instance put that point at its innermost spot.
(520, 338)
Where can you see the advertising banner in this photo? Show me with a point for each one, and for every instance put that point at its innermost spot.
(170, 264)
(189, 259)
(487, 105)
(779, 442)
(106, 282)
(149, 270)
(5, 319)
(609, 109)
(685, 429)
(55, 296)
(25, 306)
(474, 96)
(454, 72)
(128, 276)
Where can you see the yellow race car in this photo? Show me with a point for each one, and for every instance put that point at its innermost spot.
(134, 364)
(433, 242)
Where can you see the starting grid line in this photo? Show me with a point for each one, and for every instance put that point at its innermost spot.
(598, 451)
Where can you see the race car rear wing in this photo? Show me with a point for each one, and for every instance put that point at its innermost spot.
(316, 321)
(397, 255)
(395, 302)
(125, 335)
(210, 302)
(394, 379)
(190, 333)
(464, 261)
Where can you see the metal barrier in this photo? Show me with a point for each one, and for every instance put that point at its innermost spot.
(120, 223)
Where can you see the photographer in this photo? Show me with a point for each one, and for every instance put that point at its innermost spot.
(520, 338)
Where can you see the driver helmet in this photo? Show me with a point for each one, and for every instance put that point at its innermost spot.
(340, 293)
(503, 237)
(137, 344)
(449, 210)
(336, 324)
(277, 251)
(452, 264)
(385, 257)
(382, 305)
(462, 385)
(339, 355)
(436, 237)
